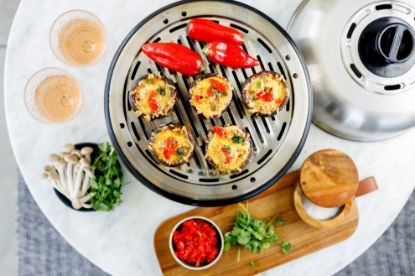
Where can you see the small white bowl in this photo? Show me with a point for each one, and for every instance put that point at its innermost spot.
(188, 266)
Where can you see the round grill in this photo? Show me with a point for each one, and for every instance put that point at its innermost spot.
(277, 140)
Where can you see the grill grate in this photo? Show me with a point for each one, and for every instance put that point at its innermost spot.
(197, 178)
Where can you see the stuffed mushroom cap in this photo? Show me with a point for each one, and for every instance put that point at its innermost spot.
(228, 149)
(171, 145)
(210, 94)
(264, 93)
(154, 96)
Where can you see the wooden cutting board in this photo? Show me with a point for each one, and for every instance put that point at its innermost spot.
(278, 199)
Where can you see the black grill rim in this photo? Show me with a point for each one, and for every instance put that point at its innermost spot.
(182, 199)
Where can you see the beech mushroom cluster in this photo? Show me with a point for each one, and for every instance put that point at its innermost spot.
(69, 172)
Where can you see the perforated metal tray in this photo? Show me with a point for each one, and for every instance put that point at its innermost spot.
(277, 140)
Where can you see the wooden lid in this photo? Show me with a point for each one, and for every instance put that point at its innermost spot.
(329, 178)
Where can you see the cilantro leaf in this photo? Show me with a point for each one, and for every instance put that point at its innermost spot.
(161, 90)
(237, 139)
(108, 179)
(285, 247)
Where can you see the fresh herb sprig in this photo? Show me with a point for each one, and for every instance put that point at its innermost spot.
(253, 233)
(108, 179)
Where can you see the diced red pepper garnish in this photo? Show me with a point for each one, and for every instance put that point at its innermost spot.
(210, 92)
(219, 131)
(227, 155)
(196, 242)
(198, 99)
(280, 100)
(152, 101)
(265, 96)
(218, 85)
(169, 148)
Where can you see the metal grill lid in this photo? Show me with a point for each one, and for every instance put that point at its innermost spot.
(361, 59)
(277, 140)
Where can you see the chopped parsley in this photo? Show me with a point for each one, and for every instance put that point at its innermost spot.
(252, 264)
(285, 247)
(258, 84)
(228, 148)
(217, 92)
(182, 151)
(237, 139)
(161, 90)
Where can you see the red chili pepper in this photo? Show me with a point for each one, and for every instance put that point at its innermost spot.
(219, 132)
(265, 96)
(227, 155)
(174, 56)
(152, 101)
(229, 55)
(218, 85)
(196, 242)
(169, 148)
(207, 31)
(210, 92)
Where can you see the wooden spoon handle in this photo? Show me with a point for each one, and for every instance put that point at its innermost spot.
(366, 186)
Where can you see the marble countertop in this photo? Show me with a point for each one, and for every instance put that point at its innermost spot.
(121, 242)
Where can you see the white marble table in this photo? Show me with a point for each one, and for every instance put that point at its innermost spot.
(121, 242)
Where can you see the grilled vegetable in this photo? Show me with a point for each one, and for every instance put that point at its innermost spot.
(264, 93)
(208, 31)
(171, 145)
(210, 94)
(228, 54)
(174, 56)
(228, 149)
(153, 97)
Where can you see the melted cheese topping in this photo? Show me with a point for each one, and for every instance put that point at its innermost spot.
(209, 101)
(176, 151)
(153, 97)
(229, 152)
(265, 94)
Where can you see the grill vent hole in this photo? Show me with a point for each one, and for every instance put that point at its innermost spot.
(253, 179)
(135, 70)
(295, 75)
(157, 39)
(234, 187)
(284, 125)
(129, 144)
(122, 125)
(351, 30)
(209, 180)
(239, 28)
(355, 70)
(282, 71)
(264, 157)
(392, 87)
(166, 21)
(265, 45)
(287, 57)
(384, 7)
(135, 131)
(239, 174)
(184, 13)
(178, 174)
(172, 30)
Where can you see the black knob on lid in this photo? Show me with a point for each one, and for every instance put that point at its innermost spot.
(387, 47)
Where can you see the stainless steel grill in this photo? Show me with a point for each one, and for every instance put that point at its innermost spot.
(277, 140)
